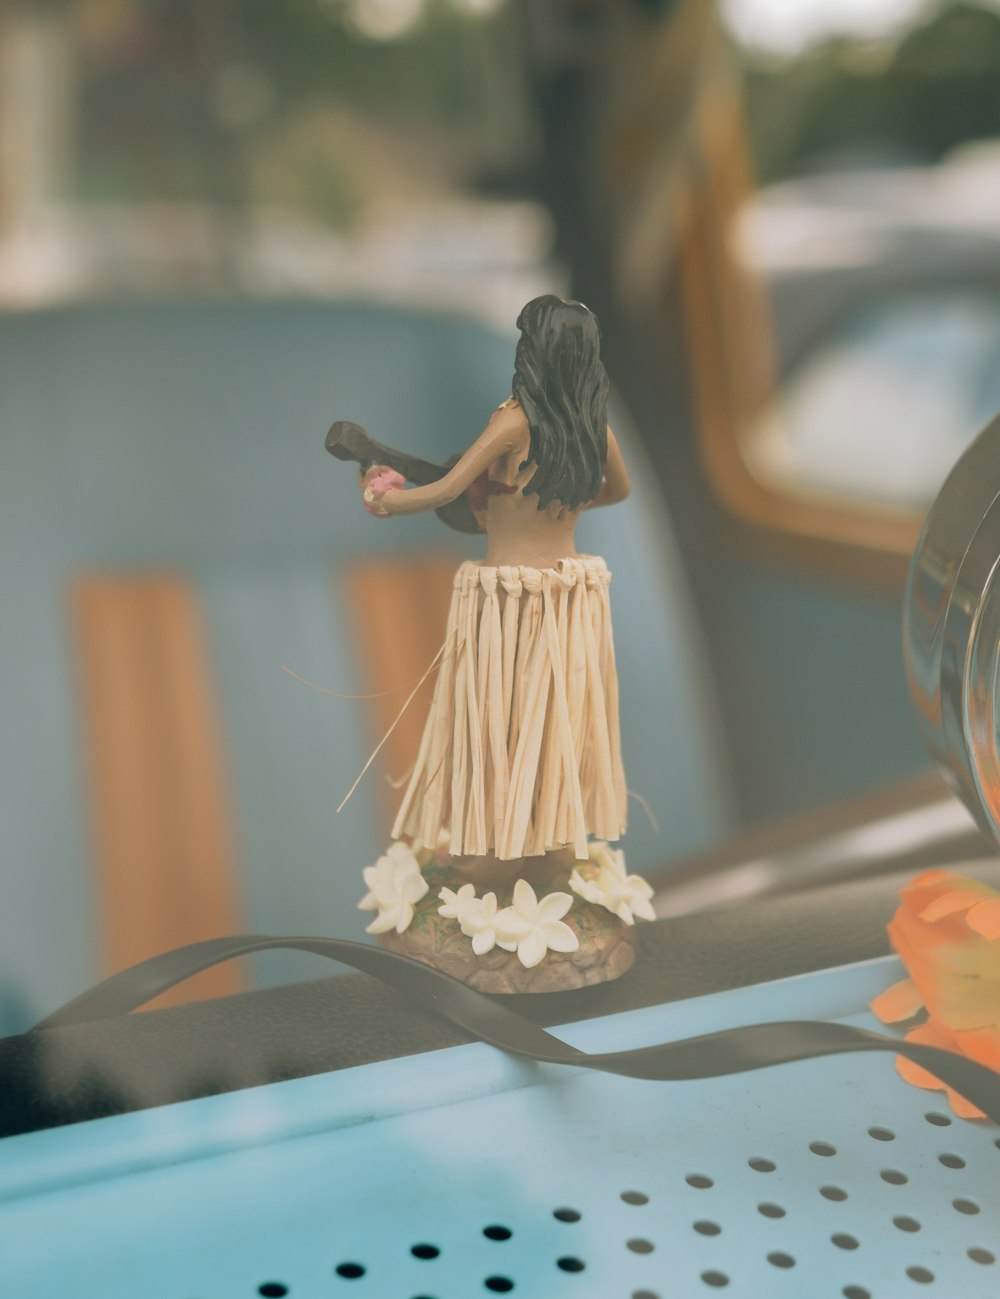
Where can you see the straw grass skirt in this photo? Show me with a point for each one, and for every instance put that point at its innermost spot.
(521, 752)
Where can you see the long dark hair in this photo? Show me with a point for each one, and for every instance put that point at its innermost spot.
(562, 387)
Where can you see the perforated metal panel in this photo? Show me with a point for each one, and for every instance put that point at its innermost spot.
(464, 1173)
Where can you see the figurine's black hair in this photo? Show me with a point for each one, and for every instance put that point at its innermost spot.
(562, 387)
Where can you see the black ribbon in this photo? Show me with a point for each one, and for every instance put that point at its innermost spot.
(711, 1055)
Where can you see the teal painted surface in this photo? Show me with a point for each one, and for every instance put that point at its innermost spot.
(283, 1185)
(811, 680)
(188, 437)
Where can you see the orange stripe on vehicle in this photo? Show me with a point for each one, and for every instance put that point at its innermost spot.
(162, 827)
(399, 611)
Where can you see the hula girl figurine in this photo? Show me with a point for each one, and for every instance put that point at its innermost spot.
(518, 786)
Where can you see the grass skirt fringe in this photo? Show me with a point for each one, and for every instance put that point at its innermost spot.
(521, 752)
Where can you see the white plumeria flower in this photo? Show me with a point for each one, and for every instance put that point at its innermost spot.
(604, 882)
(475, 916)
(395, 884)
(606, 858)
(531, 928)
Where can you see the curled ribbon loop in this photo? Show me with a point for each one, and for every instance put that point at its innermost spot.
(711, 1055)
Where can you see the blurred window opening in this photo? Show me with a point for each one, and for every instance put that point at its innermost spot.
(884, 406)
(842, 321)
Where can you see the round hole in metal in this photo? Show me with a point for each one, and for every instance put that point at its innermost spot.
(920, 1274)
(567, 1215)
(951, 1161)
(771, 1210)
(906, 1224)
(715, 1279)
(570, 1264)
(843, 1241)
(893, 1176)
(645, 1294)
(496, 1232)
(966, 1206)
(778, 1259)
(760, 1165)
(699, 1181)
(855, 1292)
(981, 1255)
(705, 1228)
(639, 1245)
(832, 1193)
(882, 1134)
(822, 1148)
(635, 1197)
(424, 1251)
(350, 1271)
(499, 1284)
(939, 1120)
(272, 1290)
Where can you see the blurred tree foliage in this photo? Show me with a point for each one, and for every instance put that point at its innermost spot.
(219, 100)
(909, 100)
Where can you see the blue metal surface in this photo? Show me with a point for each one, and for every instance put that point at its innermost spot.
(463, 1172)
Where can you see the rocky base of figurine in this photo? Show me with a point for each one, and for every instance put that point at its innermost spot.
(606, 951)
(606, 944)
(530, 924)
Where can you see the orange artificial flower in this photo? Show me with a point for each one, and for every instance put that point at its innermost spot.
(947, 934)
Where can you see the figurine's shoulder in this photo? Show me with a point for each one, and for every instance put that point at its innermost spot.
(510, 411)
(509, 417)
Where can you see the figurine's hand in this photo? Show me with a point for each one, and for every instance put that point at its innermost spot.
(375, 483)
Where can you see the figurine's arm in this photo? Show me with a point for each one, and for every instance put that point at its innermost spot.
(499, 437)
(616, 485)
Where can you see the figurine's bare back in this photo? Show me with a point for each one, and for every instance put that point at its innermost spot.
(518, 532)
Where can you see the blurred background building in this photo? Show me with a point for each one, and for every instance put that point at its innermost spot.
(224, 224)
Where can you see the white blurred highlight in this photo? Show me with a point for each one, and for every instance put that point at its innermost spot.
(385, 20)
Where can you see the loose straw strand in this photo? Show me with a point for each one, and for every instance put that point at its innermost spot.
(399, 716)
(644, 804)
